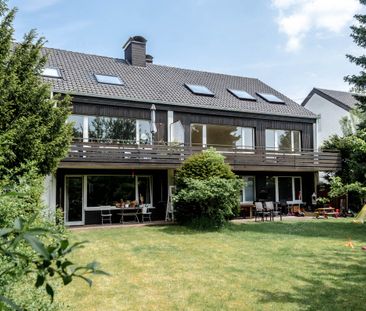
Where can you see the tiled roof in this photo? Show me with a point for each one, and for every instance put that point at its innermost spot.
(346, 100)
(162, 84)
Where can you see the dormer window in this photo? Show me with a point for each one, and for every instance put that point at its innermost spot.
(199, 89)
(108, 79)
(271, 98)
(51, 72)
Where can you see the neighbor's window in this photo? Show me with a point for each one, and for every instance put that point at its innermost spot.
(283, 140)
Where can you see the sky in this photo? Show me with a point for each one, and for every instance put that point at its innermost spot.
(292, 45)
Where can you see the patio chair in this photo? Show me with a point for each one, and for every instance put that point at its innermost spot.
(277, 210)
(260, 211)
(145, 213)
(106, 215)
(284, 207)
(270, 209)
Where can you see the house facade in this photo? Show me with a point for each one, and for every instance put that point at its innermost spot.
(330, 106)
(135, 122)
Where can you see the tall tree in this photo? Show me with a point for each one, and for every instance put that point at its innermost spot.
(359, 81)
(33, 126)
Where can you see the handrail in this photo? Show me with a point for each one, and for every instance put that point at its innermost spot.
(172, 155)
(119, 142)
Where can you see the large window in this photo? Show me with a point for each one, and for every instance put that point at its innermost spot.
(78, 125)
(106, 190)
(282, 140)
(282, 188)
(106, 129)
(248, 191)
(222, 136)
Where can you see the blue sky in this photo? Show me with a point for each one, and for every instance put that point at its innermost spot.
(292, 45)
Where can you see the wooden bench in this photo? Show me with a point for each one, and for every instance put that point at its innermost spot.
(325, 212)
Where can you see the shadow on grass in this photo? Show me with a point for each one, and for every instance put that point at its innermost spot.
(340, 287)
(332, 229)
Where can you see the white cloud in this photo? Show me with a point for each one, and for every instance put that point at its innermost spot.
(299, 17)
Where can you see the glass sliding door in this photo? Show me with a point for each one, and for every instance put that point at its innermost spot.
(285, 190)
(74, 213)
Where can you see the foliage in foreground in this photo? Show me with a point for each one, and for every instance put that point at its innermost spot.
(207, 191)
(359, 81)
(33, 126)
(21, 246)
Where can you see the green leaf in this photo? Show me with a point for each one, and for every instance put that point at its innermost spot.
(50, 291)
(18, 224)
(67, 279)
(37, 245)
(5, 231)
(40, 280)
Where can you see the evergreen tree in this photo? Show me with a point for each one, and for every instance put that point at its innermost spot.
(33, 126)
(359, 81)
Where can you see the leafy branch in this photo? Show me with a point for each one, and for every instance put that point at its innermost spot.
(45, 261)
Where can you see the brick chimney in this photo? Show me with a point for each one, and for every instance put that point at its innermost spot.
(135, 51)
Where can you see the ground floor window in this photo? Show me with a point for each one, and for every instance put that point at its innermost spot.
(282, 188)
(101, 190)
(106, 190)
(248, 192)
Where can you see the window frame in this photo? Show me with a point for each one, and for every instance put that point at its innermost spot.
(276, 143)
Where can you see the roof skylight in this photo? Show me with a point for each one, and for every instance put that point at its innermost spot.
(199, 89)
(107, 79)
(271, 98)
(51, 72)
(241, 94)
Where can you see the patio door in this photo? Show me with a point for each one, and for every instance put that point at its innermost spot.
(74, 212)
(144, 190)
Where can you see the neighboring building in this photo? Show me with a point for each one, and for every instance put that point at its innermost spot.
(135, 123)
(330, 107)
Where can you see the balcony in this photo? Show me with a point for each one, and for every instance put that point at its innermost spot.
(124, 155)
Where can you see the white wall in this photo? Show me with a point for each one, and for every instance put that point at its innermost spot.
(330, 115)
(49, 196)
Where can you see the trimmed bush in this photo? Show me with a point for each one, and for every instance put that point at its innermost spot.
(207, 191)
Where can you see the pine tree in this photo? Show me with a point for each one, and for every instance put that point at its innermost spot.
(359, 81)
(33, 126)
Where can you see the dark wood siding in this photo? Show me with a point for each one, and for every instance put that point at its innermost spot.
(187, 115)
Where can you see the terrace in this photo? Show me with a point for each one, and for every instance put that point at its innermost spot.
(115, 153)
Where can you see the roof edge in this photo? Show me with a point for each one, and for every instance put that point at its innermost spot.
(327, 97)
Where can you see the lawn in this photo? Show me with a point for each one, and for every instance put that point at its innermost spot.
(254, 266)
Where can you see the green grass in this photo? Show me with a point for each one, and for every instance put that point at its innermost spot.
(253, 266)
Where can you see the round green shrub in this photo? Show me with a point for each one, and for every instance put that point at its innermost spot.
(207, 191)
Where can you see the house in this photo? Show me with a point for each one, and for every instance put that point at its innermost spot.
(135, 122)
(330, 106)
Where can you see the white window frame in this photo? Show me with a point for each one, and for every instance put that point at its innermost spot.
(75, 223)
(277, 189)
(276, 145)
(242, 129)
(242, 199)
